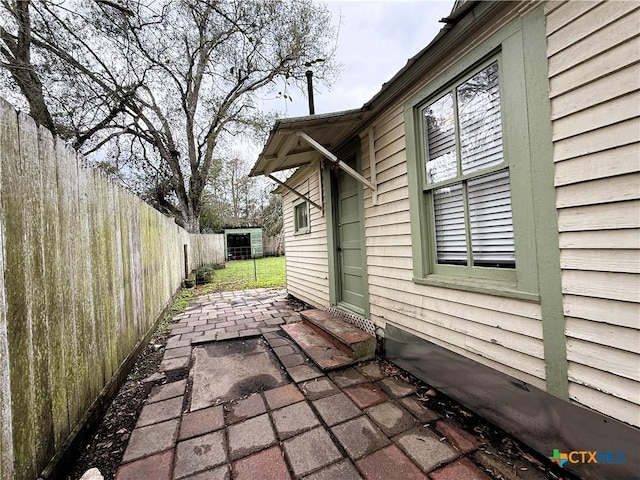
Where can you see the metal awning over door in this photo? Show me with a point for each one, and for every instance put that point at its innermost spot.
(296, 142)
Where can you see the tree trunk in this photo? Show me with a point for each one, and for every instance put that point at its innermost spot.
(191, 221)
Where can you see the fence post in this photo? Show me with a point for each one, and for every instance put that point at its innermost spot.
(255, 268)
(186, 261)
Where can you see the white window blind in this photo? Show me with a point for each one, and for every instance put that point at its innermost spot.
(451, 238)
(490, 220)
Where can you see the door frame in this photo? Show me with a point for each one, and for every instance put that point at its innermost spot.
(330, 194)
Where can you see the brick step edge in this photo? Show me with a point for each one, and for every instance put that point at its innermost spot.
(320, 350)
(345, 336)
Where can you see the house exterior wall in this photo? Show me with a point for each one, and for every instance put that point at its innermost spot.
(592, 54)
(502, 333)
(306, 257)
(594, 76)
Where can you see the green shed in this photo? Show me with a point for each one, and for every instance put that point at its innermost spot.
(243, 243)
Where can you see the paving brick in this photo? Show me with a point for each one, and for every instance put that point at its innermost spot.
(197, 323)
(207, 328)
(279, 342)
(227, 336)
(360, 437)
(160, 411)
(250, 436)
(284, 350)
(391, 418)
(274, 321)
(294, 419)
(176, 342)
(283, 396)
(172, 364)
(418, 409)
(245, 321)
(310, 451)
(266, 465)
(366, 395)
(158, 467)
(294, 360)
(396, 388)
(180, 330)
(177, 352)
(223, 324)
(343, 470)
(347, 377)
(201, 422)
(319, 388)
(218, 473)
(371, 370)
(249, 332)
(210, 336)
(425, 448)
(199, 454)
(336, 409)
(269, 330)
(191, 335)
(461, 470)
(235, 328)
(246, 408)
(255, 325)
(149, 440)
(463, 441)
(302, 373)
(164, 392)
(389, 463)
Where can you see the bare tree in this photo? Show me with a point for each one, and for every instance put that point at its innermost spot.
(162, 81)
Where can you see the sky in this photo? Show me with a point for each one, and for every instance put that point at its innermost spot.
(376, 38)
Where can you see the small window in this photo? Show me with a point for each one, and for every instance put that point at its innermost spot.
(301, 217)
(467, 179)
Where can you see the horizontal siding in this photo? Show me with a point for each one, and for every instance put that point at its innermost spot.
(594, 65)
(608, 311)
(505, 334)
(602, 164)
(306, 254)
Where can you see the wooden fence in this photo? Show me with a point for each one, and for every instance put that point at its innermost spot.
(273, 246)
(86, 268)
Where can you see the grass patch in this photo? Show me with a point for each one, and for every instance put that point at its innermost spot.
(182, 301)
(267, 272)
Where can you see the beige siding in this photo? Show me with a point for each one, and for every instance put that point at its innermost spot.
(306, 254)
(505, 334)
(594, 55)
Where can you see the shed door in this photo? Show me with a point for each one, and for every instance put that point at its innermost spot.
(349, 241)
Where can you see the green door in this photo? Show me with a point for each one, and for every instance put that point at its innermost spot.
(349, 241)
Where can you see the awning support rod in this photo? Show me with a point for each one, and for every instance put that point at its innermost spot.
(347, 169)
(295, 192)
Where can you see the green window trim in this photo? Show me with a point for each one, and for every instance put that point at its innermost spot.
(505, 48)
(521, 46)
(301, 217)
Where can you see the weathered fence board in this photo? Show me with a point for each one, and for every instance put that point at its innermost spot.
(86, 268)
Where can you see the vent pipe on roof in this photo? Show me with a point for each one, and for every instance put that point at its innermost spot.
(312, 108)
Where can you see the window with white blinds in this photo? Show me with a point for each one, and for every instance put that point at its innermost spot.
(467, 179)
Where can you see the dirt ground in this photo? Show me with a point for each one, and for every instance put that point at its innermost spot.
(109, 441)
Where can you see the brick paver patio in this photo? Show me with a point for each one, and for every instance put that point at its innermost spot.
(353, 423)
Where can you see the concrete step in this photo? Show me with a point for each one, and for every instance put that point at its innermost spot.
(330, 341)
